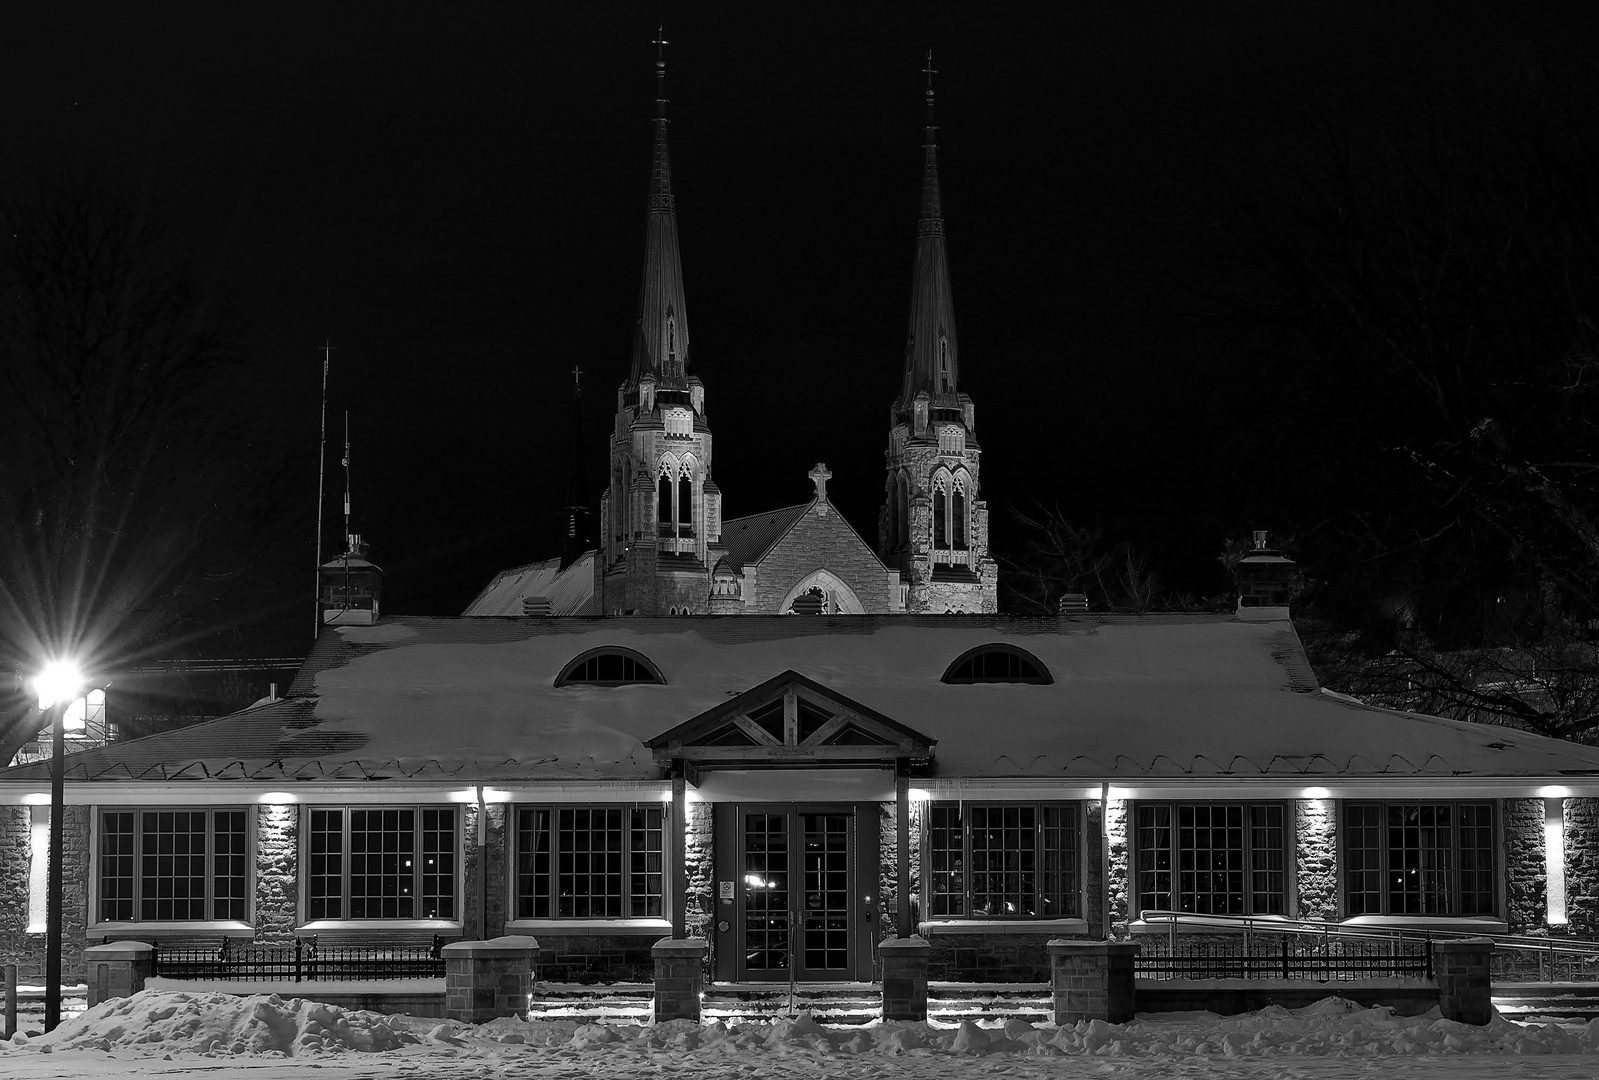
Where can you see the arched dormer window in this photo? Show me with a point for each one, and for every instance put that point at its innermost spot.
(609, 665)
(997, 663)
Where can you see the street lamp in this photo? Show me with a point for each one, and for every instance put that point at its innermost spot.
(57, 685)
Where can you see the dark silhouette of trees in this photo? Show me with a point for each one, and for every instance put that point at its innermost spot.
(135, 503)
(1404, 322)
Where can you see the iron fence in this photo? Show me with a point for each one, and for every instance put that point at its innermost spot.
(1315, 959)
(304, 960)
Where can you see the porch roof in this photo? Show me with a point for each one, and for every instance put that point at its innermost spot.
(1201, 697)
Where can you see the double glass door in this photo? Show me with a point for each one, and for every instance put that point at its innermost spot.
(795, 893)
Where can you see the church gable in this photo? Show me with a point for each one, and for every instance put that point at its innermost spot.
(822, 566)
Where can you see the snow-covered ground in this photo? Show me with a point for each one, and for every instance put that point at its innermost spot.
(267, 1037)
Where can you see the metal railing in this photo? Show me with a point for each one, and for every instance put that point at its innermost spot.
(1276, 947)
(302, 961)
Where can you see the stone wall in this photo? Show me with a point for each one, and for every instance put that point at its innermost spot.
(701, 861)
(17, 946)
(588, 956)
(1526, 902)
(888, 871)
(1582, 866)
(1120, 871)
(1014, 956)
(277, 879)
(1316, 858)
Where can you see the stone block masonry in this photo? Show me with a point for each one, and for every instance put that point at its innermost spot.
(17, 945)
(1582, 866)
(1464, 988)
(277, 847)
(904, 978)
(118, 969)
(1316, 858)
(679, 978)
(1525, 876)
(488, 979)
(1092, 980)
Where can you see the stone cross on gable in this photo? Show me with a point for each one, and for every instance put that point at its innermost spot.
(820, 476)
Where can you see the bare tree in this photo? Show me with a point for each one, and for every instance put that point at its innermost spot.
(125, 483)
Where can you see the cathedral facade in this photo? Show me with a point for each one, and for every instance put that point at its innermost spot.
(664, 547)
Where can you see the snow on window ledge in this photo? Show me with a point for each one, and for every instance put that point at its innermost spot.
(1267, 924)
(1485, 924)
(445, 927)
(134, 931)
(574, 926)
(929, 928)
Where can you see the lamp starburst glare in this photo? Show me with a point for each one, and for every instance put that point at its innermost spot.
(59, 681)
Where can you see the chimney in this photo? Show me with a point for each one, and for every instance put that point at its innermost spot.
(1264, 579)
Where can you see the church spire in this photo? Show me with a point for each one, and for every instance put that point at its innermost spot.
(931, 353)
(660, 346)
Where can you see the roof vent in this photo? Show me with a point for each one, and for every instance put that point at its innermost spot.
(536, 605)
(1074, 603)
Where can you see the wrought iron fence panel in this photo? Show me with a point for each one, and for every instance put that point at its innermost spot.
(303, 960)
(1313, 958)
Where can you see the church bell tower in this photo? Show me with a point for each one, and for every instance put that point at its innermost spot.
(660, 518)
(934, 523)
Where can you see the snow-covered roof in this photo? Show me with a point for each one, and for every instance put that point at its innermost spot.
(569, 591)
(1185, 697)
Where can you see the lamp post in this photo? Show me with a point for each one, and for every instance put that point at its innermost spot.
(57, 685)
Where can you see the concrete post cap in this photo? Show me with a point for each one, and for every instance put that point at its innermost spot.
(118, 950)
(694, 946)
(1470, 944)
(914, 943)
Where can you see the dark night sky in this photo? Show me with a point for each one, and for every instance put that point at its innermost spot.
(454, 196)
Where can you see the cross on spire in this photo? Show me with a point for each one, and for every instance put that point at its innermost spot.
(929, 71)
(660, 44)
(577, 380)
(820, 476)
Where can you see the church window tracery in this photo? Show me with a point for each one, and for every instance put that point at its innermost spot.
(957, 515)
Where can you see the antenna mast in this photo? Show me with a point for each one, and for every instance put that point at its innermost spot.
(321, 469)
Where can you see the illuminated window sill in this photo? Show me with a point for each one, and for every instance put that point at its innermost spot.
(934, 927)
(443, 927)
(185, 928)
(589, 926)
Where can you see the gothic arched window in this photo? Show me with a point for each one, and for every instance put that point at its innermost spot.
(685, 501)
(957, 516)
(664, 487)
(940, 514)
(904, 510)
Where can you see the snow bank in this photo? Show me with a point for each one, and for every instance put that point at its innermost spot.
(157, 1022)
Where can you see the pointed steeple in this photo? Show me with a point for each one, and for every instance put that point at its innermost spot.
(660, 346)
(931, 352)
(577, 539)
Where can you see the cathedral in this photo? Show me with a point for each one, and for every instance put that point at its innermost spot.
(664, 546)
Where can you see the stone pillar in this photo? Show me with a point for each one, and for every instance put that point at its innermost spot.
(486, 979)
(905, 977)
(118, 969)
(1464, 987)
(1092, 980)
(679, 978)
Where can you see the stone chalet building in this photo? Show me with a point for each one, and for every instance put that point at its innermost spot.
(766, 733)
